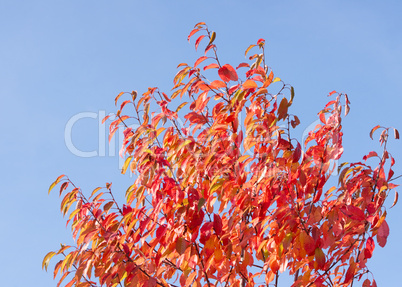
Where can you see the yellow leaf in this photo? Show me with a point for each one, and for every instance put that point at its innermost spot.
(125, 165)
(45, 262)
(95, 191)
(55, 182)
(181, 105)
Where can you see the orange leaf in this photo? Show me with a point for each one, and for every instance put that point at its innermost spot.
(211, 66)
(283, 109)
(395, 199)
(249, 84)
(373, 130)
(200, 60)
(320, 258)
(248, 49)
(117, 98)
(217, 84)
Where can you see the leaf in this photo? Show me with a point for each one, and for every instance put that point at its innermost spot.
(211, 66)
(347, 103)
(199, 24)
(181, 245)
(320, 258)
(201, 203)
(331, 93)
(134, 95)
(249, 84)
(105, 119)
(227, 73)
(295, 122)
(213, 36)
(217, 84)
(198, 41)
(217, 224)
(55, 183)
(371, 154)
(200, 60)
(161, 231)
(45, 262)
(370, 245)
(180, 106)
(95, 191)
(292, 95)
(395, 199)
(192, 33)
(283, 109)
(117, 97)
(241, 65)
(382, 234)
(248, 49)
(276, 80)
(373, 130)
(396, 134)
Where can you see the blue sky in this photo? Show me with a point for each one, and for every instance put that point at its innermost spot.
(60, 59)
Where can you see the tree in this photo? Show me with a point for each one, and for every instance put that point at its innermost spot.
(229, 198)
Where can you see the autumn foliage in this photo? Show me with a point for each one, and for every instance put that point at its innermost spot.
(226, 196)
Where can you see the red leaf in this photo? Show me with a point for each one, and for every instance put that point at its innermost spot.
(260, 41)
(197, 42)
(161, 231)
(366, 283)
(382, 234)
(217, 224)
(331, 93)
(371, 154)
(370, 245)
(227, 73)
(151, 282)
(297, 153)
(192, 33)
(350, 273)
(242, 65)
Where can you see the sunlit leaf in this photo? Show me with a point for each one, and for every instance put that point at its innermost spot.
(227, 73)
(373, 130)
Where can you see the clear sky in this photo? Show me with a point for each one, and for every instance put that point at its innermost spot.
(63, 62)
